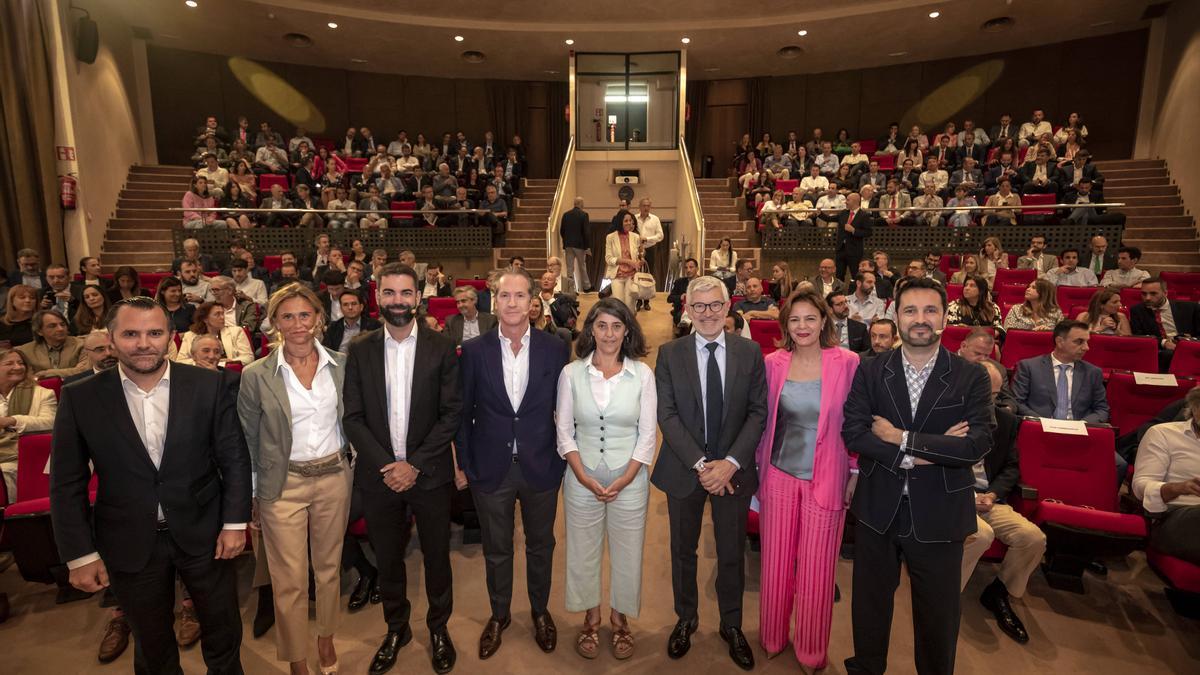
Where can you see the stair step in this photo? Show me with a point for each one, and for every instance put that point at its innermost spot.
(1121, 192)
(712, 182)
(151, 203)
(1166, 243)
(1110, 183)
(154, 214)
(144, 234)
(1160, 172)
(1137, 219)
(1176, 210)
(147, 247)
(175, 169)
(172, 195)
(1155, 269)
(1157, 233)
(1132, 202)
(126, 222)
(138, 259)
(1105, 165)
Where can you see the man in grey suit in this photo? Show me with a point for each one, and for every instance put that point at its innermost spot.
(712, 408)
(574, 232)
(469, 323)
(1061, 385)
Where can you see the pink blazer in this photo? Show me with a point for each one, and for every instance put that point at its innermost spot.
(831, 465)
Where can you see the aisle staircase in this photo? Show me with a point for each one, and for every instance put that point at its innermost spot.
(140, 234)
(1156, 219)
(527, 225)
(725, 216)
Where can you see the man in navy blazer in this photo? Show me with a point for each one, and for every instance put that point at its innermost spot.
(507, 448)
(1039, 379)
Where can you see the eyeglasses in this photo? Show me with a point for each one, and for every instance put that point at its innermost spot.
(701, 307)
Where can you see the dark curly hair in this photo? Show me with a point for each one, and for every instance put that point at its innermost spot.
(634, 344)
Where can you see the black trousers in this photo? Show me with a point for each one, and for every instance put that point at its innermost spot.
(1175, 534)
(497, 518)
(148, 599)
(388, 528)
(353, 555)
(934, 570)
(729, 531)
(846, 261)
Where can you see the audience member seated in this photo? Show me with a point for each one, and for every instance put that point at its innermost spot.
(238, 312)
(1033, 130)
(1126, 274)
(829, 206)
(973, 144)
(433, 284)
(736, 284)
(98, 355)
(1105, 307)
(691, 270)
(769, 216)
(995, 477)
(276, 201)
(198, 197)
(778, 165)
(352, 322)
(497, 216)
(1167, 481)
(892, 203)
(1070, 273)
(944, 154)
(825, 282)
(1040, 310)
(975, 307)
(1083, 194)
(16, 323)
(195, 286)
(126, 284)
(207, 352)
(243, 175)
(89, 270)
(850, 334)
(58, 293)
(170, 296)
(54, 352)
(1080, 167)
(979, 346)
(856, 160)
(92, 311)
(964, 205)
(305, 200)
(1004, 168)
(247, 287)
(469, 323)
(1164, 319)
(814, 184)
(210, 129)
(873, 176)
(1040, 176)
(540, 320)
(216, 176)
(755, 305)
(1004, 130)
(864, 304)
(234, 199)
(191, 251)
(723, 260)
(270, 158)
(782, 283)
(1096, 257)
(28, 409)
(891, 142)
(210, 148)
(210, 319)
(1036, 257)
(929, 199)
(884, 338)
(268, 137)
(826, 160)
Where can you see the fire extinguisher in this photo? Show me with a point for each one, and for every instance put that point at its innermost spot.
(67, 191)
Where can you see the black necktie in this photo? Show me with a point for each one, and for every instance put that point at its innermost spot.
(714, 400)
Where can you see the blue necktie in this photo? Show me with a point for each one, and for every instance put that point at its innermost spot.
(1062, 409)
(714, 404)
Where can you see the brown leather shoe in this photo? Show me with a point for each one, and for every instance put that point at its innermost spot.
(544, 632)
(189, 627)
(115, 640)
(489, 641)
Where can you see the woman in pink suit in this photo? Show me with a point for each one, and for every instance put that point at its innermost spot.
(805, 479)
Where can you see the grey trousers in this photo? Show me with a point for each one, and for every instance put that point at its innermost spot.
(576, 272)
(1175, 534)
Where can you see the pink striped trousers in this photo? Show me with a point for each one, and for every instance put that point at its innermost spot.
(799, 554)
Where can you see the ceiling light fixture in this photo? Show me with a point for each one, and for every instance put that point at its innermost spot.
(802, 33)
(898, 54)
(569, 41)
(331, 24)
(686, 40)
(358, 60)
(934, 15)
(459, 38)
(191, 3)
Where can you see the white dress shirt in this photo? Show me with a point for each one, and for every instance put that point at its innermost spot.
(867, 310)
(602, 390)
(650, 229)
(398, 360)
(470, 327)
(1169, 453)
(1080, 276)
(516, 370)
(1122, 279)
(316, 426)
(255, 289)
(702, 364)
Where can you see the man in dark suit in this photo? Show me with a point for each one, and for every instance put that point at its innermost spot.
(506, 447)
(174, 477)
(883, 338)
(853, 228)
(1084, 194)
(691, 269)
(402, 405)
(1079, 168)
(1164, 319)
(58, 293)
(1040, 176)
(619, 217)
(1096, 256)
(433, 284)
(920, 419)
(712, 408)
(1006, 129)
(995, 478)
(352, 324)
(969, 148)
(851, 334)
(574, 230)
(469, 323)
(1005, 167)
(100, 357)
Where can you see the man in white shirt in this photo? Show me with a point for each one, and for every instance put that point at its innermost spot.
(396, 147)
(865, 306)
(248, 288)
(830, 205)
(825, 282)
(1036, 258)
(217, 176)
(1070, 273)
(1033, 129)
(650, 229)
(1127, 274)
(980, 135)
(1166, 479)
(827, 160)
(935, 176)
(271, 158)
(814, 184)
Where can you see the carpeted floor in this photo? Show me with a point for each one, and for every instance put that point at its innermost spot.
(1123, 624)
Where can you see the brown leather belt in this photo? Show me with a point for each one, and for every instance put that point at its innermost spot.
(317, 467)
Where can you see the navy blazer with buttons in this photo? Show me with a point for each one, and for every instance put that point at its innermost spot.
(1036, 390)
(489, 423)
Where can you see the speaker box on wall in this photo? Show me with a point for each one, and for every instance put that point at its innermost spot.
(87, 40)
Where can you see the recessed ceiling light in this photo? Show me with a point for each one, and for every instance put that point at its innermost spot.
(711, 70)
(898, 54)
(331, 24)
(551, 72)
(569, 41)
(191, 3)
(934, 15)
(358, 60)
(686, 40)
(458, 38)
(802, 33)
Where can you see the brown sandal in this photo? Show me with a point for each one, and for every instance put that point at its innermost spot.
(622, 642)
(587, 643)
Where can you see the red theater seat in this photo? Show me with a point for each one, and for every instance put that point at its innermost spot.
(1024, 344)
(1132, 404)
(271, 263)
(1130, 296)
(953, 292)
(1115, 352)
(1183, 582)
(266, 180)
(1182, 285)
(150, 280)
(403, 218)
(787, 185)
(886, 162)
(1069, 296)
(1186, 360)
(33, 450)
(868, 146)
(953, 335)
(1070, 491)
(440, 308)
(765, 332)
(1013, 294)
(1014, 276)
(1038, 200)
(54, 384)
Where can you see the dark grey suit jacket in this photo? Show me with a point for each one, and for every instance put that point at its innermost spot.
(681, 414)
(1036, 390)
(454, 325)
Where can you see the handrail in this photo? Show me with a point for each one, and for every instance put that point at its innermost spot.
(556, 203)
(694, 195)
(233, 209)
(982, 207)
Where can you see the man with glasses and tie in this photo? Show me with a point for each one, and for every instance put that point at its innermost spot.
(712, 408)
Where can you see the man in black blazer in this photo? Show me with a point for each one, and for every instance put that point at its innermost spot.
(995, 478)
(919, 418)
(433, 284)
(174, 490)
(852, 334)
(405, 374)
(354, 321)
(574, 230)
(1096, 255)
(853, 228)
(1040, 176)
(1164, 319)
(1080, 168)
(712, 408)
(691, 270)
(459, 326)
(507, 449)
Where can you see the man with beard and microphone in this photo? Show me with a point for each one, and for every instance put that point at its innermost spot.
(174, 490)
(920, 418)
(402, 404)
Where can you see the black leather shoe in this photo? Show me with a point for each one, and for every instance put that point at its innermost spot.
(489, 641)
(1098, 568)
(362, 592)
(739, 649)
(544, 632)
(442, 655)
(995, 599)
(264, 615)
(385, 657)
(681, 638)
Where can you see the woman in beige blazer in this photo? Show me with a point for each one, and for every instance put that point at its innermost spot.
(622, 252)
(290, 405)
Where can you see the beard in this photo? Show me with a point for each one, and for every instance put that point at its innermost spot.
(398, 315)
(107, 363)
(158, 363)
(913, 341)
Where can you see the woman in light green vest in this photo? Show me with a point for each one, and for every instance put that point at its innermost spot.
(606, 431)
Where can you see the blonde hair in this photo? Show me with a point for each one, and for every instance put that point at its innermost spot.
(19, 289)
(5, 351)
(282, 295)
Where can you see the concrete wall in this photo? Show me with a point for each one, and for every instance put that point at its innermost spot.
(660, 179)
(1176, 135)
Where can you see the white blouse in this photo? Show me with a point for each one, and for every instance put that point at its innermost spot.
(316, 425)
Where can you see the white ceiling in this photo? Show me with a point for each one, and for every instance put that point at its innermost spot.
(524, 39)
